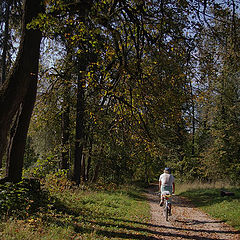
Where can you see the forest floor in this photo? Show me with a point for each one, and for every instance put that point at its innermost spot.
(186, 222)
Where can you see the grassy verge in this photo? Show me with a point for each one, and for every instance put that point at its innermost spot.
(83, 214)
(208, 198)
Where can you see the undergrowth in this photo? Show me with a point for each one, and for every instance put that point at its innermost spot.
(21, 198)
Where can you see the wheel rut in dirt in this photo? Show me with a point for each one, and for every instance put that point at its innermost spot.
(186, 222)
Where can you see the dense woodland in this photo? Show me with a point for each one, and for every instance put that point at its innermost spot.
(114, 91)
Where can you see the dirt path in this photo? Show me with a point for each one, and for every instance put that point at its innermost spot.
(186, 222)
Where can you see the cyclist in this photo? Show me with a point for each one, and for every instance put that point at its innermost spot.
(166, 183)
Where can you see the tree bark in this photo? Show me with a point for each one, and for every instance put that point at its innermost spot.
(193, 120)
(5, 47)
(65, 128)
(83, 7)
(89, 161)
(65, 131)
(97, 167)
(79, 139)
(23, 73)
(83, 168)
(15, 157)
(96, 172)
(5, 42)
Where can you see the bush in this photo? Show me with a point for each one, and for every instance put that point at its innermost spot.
(21, 198)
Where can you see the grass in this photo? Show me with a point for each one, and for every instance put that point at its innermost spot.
(77, 214)
(208, 198)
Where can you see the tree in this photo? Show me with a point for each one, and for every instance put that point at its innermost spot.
(133, 102)
(19, 88)
(218, 95)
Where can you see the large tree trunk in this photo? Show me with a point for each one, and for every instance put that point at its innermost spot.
(85, 6)
(17, 144)
(24, 72)
(5, 47)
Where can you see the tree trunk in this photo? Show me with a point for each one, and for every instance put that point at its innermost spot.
(83, 168)
(65, 128)
(65, 131)
(89, 161)
(5, 42)
(96, 172)
(24, 71)
(79, 139)
(5, 47)
(15, 157)
(97, 167)
(193, 120)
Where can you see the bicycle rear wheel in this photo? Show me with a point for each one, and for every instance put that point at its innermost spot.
(166, 211)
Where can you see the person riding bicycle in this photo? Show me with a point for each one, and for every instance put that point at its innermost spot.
(166, 183)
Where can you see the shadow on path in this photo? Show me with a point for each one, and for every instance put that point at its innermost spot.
(178, 228)
(146, 230)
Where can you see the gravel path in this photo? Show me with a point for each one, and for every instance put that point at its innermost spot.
(186, 222)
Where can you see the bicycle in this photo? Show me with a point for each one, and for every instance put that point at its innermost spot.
(167, 206)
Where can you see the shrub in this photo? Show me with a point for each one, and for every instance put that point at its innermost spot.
(21, 198)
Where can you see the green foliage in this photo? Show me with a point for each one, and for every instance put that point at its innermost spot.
(42, 167)
(57, 182)
(190, 168)
(22, 198)
(30, 156)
